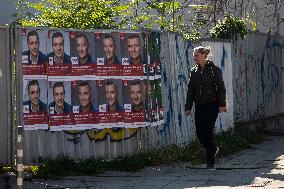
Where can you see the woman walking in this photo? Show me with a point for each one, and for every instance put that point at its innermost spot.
(206, 89)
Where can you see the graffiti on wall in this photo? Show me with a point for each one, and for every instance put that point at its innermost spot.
(258, 77)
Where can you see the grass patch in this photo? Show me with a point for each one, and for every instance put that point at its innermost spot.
(229, 142)
(238, 138)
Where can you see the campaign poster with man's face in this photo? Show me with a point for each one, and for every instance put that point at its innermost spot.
(132, 56)
(134, 103)
(132, 46)
(110, 103)
(34, 57)
(59, 60)
(82, 48)
(82, 54)
(59, 106)
(34, 104)
(108, 53)
(84, 103)
(107, 48)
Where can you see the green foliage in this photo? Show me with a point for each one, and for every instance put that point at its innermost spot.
(84, 14)
(229, 28)
(249, 20)
(97, 14)
(229, 142)
(107, 14)
(198, 21)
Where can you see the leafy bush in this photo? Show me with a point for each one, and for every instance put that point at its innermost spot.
(229, 28)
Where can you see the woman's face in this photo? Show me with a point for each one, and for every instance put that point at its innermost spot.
(198, 57)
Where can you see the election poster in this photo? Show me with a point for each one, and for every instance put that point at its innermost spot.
(59, 60)
(134, 103)
(34, 61)
(84, 103)
(109, 96)
(154, 83)
(133, 60)
(82, 55)
(78, 80)
(59, 106)
(34, 104)
(107, 51)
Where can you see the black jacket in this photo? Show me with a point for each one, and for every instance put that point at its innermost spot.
(42, 58)
(205, 86)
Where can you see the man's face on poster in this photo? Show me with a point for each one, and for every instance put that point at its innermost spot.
(136, 94)
(134, 47)
(34, 94)
(109, 48)
(33, 45)
(84, 95)
(58, 46)
(58, 95)
(82, 47)
(111, 94)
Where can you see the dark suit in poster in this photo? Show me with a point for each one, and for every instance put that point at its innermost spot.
(132, 56)
(110, 103)
(107, 51)
(59, 106)
(134, 103)
(59, 61)
(34, 104)
(84, 102)
(34, 61)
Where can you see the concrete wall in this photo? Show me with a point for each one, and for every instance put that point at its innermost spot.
(258, 77)
(177, 61)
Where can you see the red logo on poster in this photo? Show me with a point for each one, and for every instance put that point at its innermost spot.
(125, 82)
(100, 83)
(74, 83)
(72, 34)
(24, 32)
(122, 35)
(97, 35)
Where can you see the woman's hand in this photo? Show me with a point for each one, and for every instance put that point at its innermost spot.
(223, 109)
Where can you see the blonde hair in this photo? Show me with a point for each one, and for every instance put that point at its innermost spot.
(202, 50)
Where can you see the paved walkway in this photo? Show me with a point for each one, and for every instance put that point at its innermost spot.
(259, 167)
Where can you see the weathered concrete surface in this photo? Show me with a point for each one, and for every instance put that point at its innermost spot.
(259, 167)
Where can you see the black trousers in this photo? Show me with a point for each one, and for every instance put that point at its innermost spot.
(205, 118)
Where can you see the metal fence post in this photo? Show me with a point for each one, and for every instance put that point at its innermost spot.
(20, 155)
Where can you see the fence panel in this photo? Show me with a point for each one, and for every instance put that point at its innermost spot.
(176, 58)
(5, 100)
(253, 91)
(258, 76)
